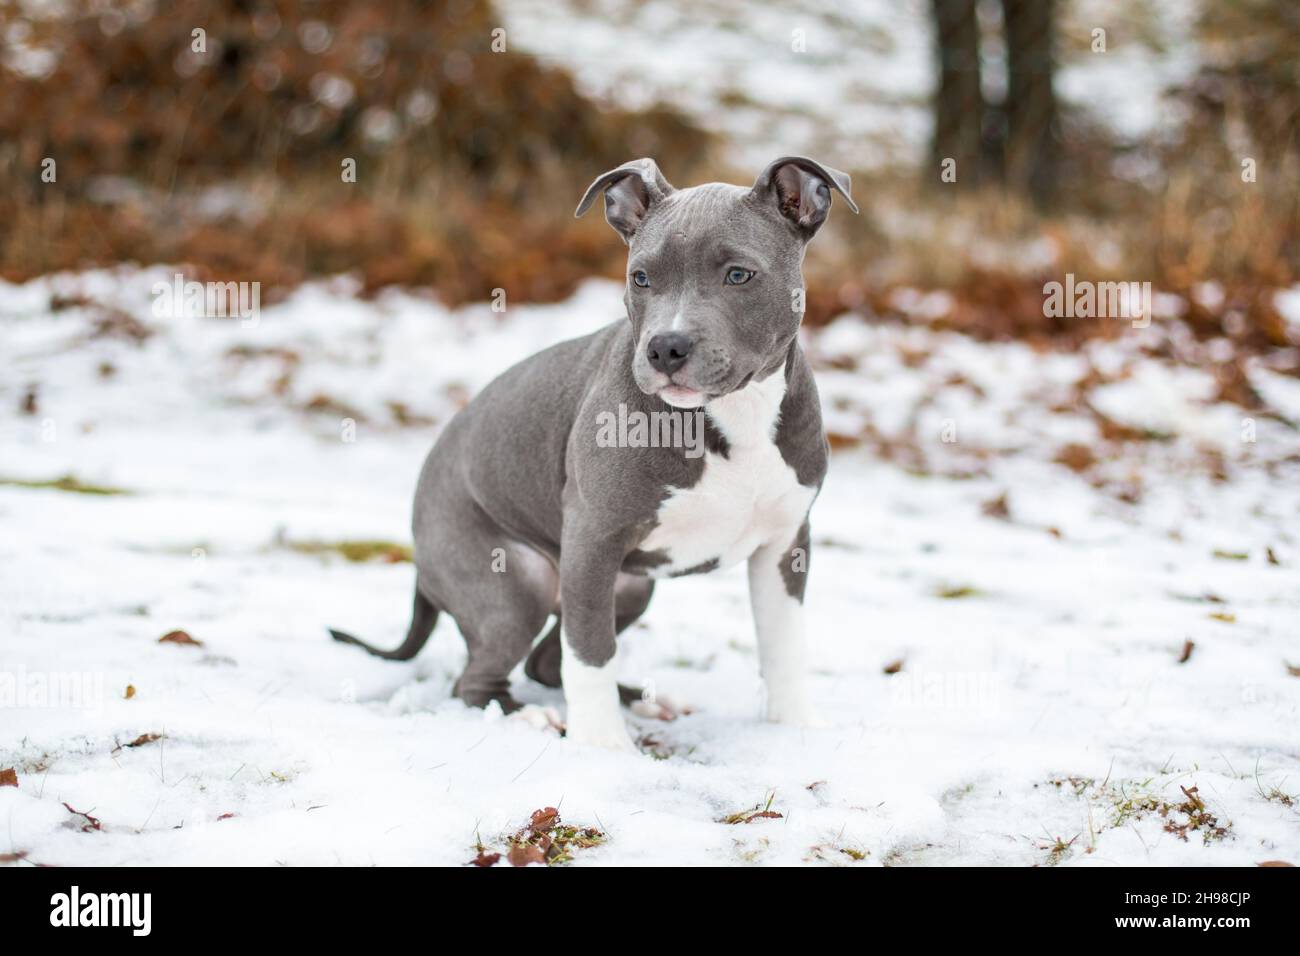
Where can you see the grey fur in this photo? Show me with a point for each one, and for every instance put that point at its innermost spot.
(517, 474)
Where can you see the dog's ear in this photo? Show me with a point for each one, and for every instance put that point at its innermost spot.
(801, 189)
(630, 191)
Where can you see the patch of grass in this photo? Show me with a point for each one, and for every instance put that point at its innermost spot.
(761, 811)
(951, 592)
(389, 552)
(69, 483)
(1275, 794)
(1197, 817)
(545, 839)
(1058, 849)
(1128, 802)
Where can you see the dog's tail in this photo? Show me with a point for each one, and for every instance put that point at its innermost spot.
(423, 618)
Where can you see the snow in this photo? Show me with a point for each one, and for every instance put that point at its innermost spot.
(1054, 661)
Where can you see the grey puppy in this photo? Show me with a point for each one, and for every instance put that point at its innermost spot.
(522, 511)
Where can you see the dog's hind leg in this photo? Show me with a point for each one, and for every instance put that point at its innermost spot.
(500, 614)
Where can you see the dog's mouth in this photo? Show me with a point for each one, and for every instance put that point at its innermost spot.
(688, 396)
(680, 396)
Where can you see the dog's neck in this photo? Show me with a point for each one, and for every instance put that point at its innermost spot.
(749, 416)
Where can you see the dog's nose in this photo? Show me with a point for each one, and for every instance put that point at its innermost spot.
(667, 353)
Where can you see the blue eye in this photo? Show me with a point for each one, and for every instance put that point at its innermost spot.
(640, 278)
(738, 276)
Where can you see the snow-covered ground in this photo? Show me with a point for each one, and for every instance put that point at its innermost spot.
(1044, 707)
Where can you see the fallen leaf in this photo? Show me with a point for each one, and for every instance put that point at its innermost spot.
(1292, 669)
(179, 637)
(521, 854)
(893, 667)
(1185, 656)
(1224, 616)
(224, 816)
(8, 777)
(485, 858)
(130, 692)
(1223, 555)
(1272, 557)
(544, 818)
(22, 855)
(1275, 863)
(146, 739)
(1076, 457)
(997, 508)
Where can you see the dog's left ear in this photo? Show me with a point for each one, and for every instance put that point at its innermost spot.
(801, 189)
(630, 191)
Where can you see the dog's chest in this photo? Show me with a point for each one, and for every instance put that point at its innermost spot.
(743, 499)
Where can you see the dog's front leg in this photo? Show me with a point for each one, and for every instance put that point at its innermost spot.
(778, 572)
(588, 571)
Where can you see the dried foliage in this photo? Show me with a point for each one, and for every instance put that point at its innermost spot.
(229, 157)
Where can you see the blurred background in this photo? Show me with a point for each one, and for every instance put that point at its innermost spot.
(1055, 588)
(1098, 137)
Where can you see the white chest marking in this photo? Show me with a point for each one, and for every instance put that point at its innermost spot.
(746, 499)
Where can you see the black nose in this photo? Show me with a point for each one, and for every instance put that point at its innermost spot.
(667, 353)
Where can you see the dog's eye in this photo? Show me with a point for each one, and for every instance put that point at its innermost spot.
(640, 278)
(738, 276)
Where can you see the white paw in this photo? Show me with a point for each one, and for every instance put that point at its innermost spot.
(795, 714)
(660, 708)
(604, 734)
(538, 717)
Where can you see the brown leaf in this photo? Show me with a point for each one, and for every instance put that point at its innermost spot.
(1185, 656)
(521, 854)
(485, 858)
(224, 816)
(129, 693)
(8, 777)
(1292, 669)
(22, 855)
(1076, 457)
(763, 815)
(997, 508)
(146, 739)
(179, 637)
(1272, 557)
(544, 818)
(893, 667)
(1275, 863)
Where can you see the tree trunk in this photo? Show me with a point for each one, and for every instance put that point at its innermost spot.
(958, 104)
(1033, 144)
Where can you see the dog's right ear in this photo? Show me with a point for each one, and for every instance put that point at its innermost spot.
(630, 191)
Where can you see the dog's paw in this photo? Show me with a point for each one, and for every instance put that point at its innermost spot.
(539, 718)
(660, 708)
(603, 734)
(795, 714)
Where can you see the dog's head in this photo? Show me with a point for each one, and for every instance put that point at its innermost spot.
(714, 277)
